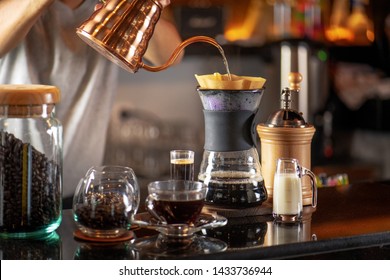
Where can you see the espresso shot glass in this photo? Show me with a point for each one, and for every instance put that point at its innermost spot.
(182, 165)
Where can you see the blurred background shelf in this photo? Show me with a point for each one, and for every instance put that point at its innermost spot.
(269, 39)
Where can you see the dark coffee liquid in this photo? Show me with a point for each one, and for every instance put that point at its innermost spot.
(179, 211)
(233, 190)
(182, 169)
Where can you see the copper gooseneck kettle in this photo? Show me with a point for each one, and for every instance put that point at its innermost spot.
(120, 30)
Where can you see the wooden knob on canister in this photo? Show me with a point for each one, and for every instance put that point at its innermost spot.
(295, 79)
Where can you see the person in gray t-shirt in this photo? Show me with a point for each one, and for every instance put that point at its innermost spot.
(39, 45)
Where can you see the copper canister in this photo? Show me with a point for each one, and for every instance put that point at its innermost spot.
(286, 135)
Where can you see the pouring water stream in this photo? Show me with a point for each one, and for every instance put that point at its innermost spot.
(181, 47)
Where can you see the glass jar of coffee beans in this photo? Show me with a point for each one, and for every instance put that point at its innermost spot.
(30, 161)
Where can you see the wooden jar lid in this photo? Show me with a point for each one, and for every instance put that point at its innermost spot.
(28, 94)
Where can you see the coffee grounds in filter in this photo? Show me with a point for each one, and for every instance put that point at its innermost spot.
(30, 196)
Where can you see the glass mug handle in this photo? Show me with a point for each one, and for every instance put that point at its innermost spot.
(131, 182)
(150, 207)
(307, 172)
(135, 199)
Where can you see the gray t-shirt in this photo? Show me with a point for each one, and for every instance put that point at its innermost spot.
(53, 54)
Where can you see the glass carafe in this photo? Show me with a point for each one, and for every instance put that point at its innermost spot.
(230, 166)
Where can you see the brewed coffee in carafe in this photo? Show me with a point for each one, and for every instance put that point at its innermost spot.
(230, 166)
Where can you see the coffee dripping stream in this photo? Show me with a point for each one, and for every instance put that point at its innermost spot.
(120, 30)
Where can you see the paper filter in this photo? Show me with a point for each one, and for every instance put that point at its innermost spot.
(223, 81)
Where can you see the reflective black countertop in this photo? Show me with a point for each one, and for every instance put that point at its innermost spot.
(350, 222)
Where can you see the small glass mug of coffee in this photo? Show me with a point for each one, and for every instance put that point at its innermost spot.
(287, 192)
(182, 165)
(176, 201)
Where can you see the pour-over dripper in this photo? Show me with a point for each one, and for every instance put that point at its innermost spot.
(230, 167)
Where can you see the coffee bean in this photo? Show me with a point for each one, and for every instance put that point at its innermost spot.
(104, 211)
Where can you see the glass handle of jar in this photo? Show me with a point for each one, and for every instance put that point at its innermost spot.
(134, 197)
